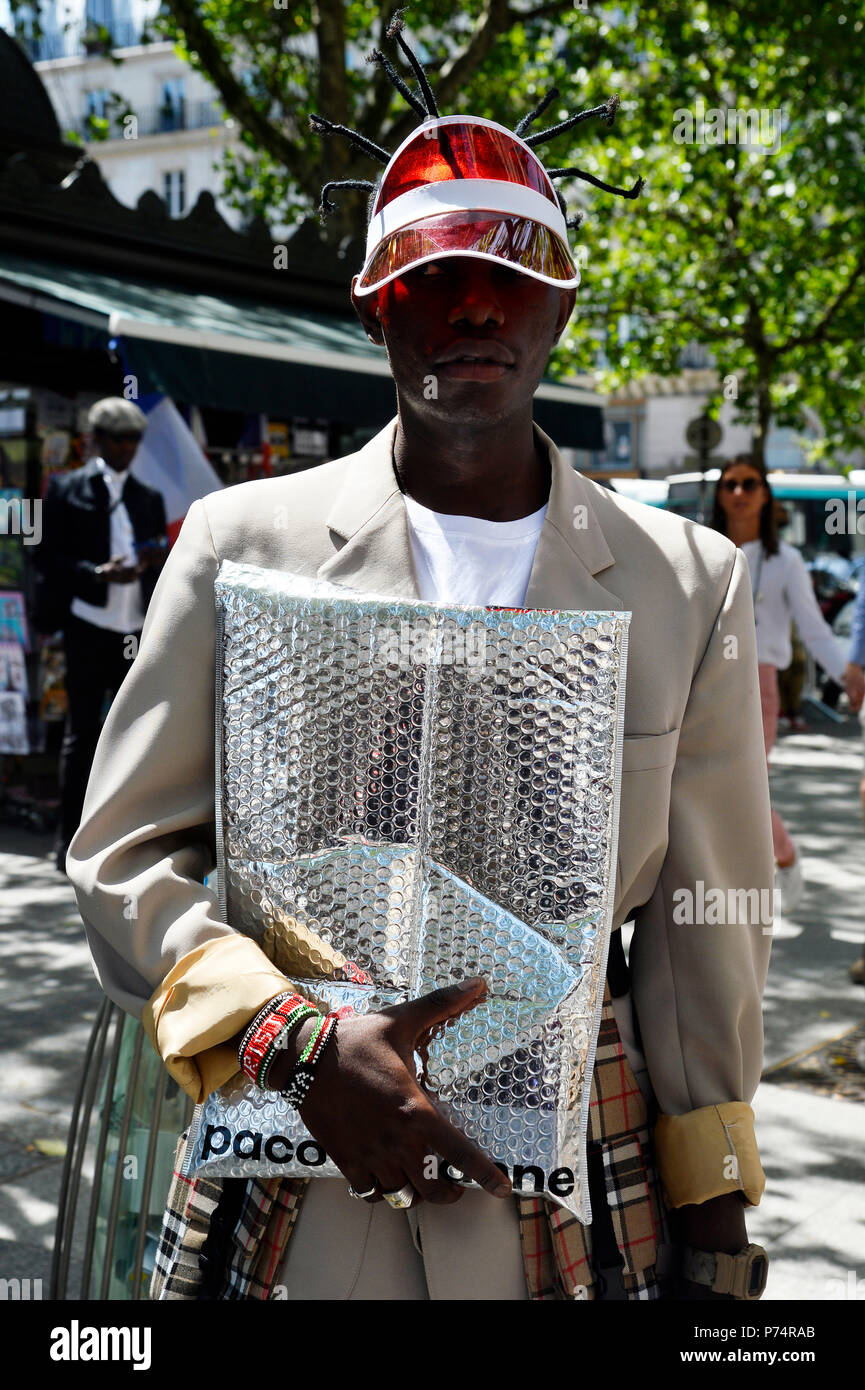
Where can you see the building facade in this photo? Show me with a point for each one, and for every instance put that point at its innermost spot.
(147, 118)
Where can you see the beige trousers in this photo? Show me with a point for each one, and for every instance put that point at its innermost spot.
(342, 1250)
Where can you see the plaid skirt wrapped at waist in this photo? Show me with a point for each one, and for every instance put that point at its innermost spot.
(226, 1238)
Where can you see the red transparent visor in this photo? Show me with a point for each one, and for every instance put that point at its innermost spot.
(515, 241)
(462, 151)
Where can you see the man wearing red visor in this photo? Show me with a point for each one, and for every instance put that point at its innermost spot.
(468, 284)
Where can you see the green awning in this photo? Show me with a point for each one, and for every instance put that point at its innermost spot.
(234, 353)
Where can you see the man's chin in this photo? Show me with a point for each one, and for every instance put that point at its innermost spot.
(467, 400)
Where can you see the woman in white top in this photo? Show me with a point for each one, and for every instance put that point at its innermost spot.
(744, 511)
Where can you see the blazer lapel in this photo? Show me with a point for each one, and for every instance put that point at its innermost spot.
(368, 514)
(571, 547)
(94, 489)
(137, 503)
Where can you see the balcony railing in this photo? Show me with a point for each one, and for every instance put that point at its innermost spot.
(152, 120)
(80, 40)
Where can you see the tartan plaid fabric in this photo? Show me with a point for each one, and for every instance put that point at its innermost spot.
(557, 1249)
(267, 1215)
(185, 1225)
(254, 1243)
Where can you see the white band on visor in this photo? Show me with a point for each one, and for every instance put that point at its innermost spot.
(464, 195)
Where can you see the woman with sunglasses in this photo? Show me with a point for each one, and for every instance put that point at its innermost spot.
(744, 510)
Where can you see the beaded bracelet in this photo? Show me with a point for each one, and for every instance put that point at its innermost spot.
(271, 1035)
(268, 1033)
(259, 1017)
(303, 1074)
(293, 1021)
(276, 1006)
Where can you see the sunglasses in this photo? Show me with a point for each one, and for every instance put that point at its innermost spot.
(746, 484)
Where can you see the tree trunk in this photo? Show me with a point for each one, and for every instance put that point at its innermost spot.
(332, 102)
(764, 415)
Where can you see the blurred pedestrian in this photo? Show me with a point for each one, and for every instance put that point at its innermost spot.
(791, 683)
(103, 543)
(856, 660)
(744, 510)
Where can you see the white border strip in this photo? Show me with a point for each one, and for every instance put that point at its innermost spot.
(464, 195)
(309, 357)
(63, 308)
(119, 326)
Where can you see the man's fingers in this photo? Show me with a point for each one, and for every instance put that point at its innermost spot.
(362, 1185)
(465, 1157)
(419, 1015)
(428, 1175)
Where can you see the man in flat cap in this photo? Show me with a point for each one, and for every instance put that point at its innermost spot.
(103, 544)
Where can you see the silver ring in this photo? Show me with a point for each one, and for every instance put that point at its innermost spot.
(360, 1195)
(400, 1200)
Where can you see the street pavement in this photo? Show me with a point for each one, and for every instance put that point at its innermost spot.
(49, 999)
(812, 1217)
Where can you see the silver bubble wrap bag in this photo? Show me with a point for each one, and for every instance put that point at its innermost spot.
(409, 795)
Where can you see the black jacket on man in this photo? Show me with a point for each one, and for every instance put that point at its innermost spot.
(76, 537)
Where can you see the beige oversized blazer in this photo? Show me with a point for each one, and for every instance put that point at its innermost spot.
(695, 806)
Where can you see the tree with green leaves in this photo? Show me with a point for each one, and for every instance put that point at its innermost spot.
(747, 123)
(274, 66)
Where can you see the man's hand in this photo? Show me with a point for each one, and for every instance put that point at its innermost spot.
(151, 557)
(368, 1112)
(117, 571)
(718, 1224)
(854, 684)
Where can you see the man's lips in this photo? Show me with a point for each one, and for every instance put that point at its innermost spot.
(472, 359)
(485, 350)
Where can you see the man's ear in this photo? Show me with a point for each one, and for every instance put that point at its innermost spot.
(367, 309)
(567, 300)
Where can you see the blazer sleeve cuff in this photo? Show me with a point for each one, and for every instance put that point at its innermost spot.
(203, 1002)
(709, 1152)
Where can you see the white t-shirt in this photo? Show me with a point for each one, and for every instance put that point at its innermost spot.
(782, 591)
(123, 611)
(462, 559)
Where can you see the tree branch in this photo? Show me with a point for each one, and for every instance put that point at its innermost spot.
(498, 17)
(235, 96)
(819, 333)
(701, 227)
(377, 105)
(542, 11)
(332, 79)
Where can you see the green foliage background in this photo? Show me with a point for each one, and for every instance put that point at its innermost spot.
(758, 254)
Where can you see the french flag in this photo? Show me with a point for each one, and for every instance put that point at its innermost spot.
(171, 459)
